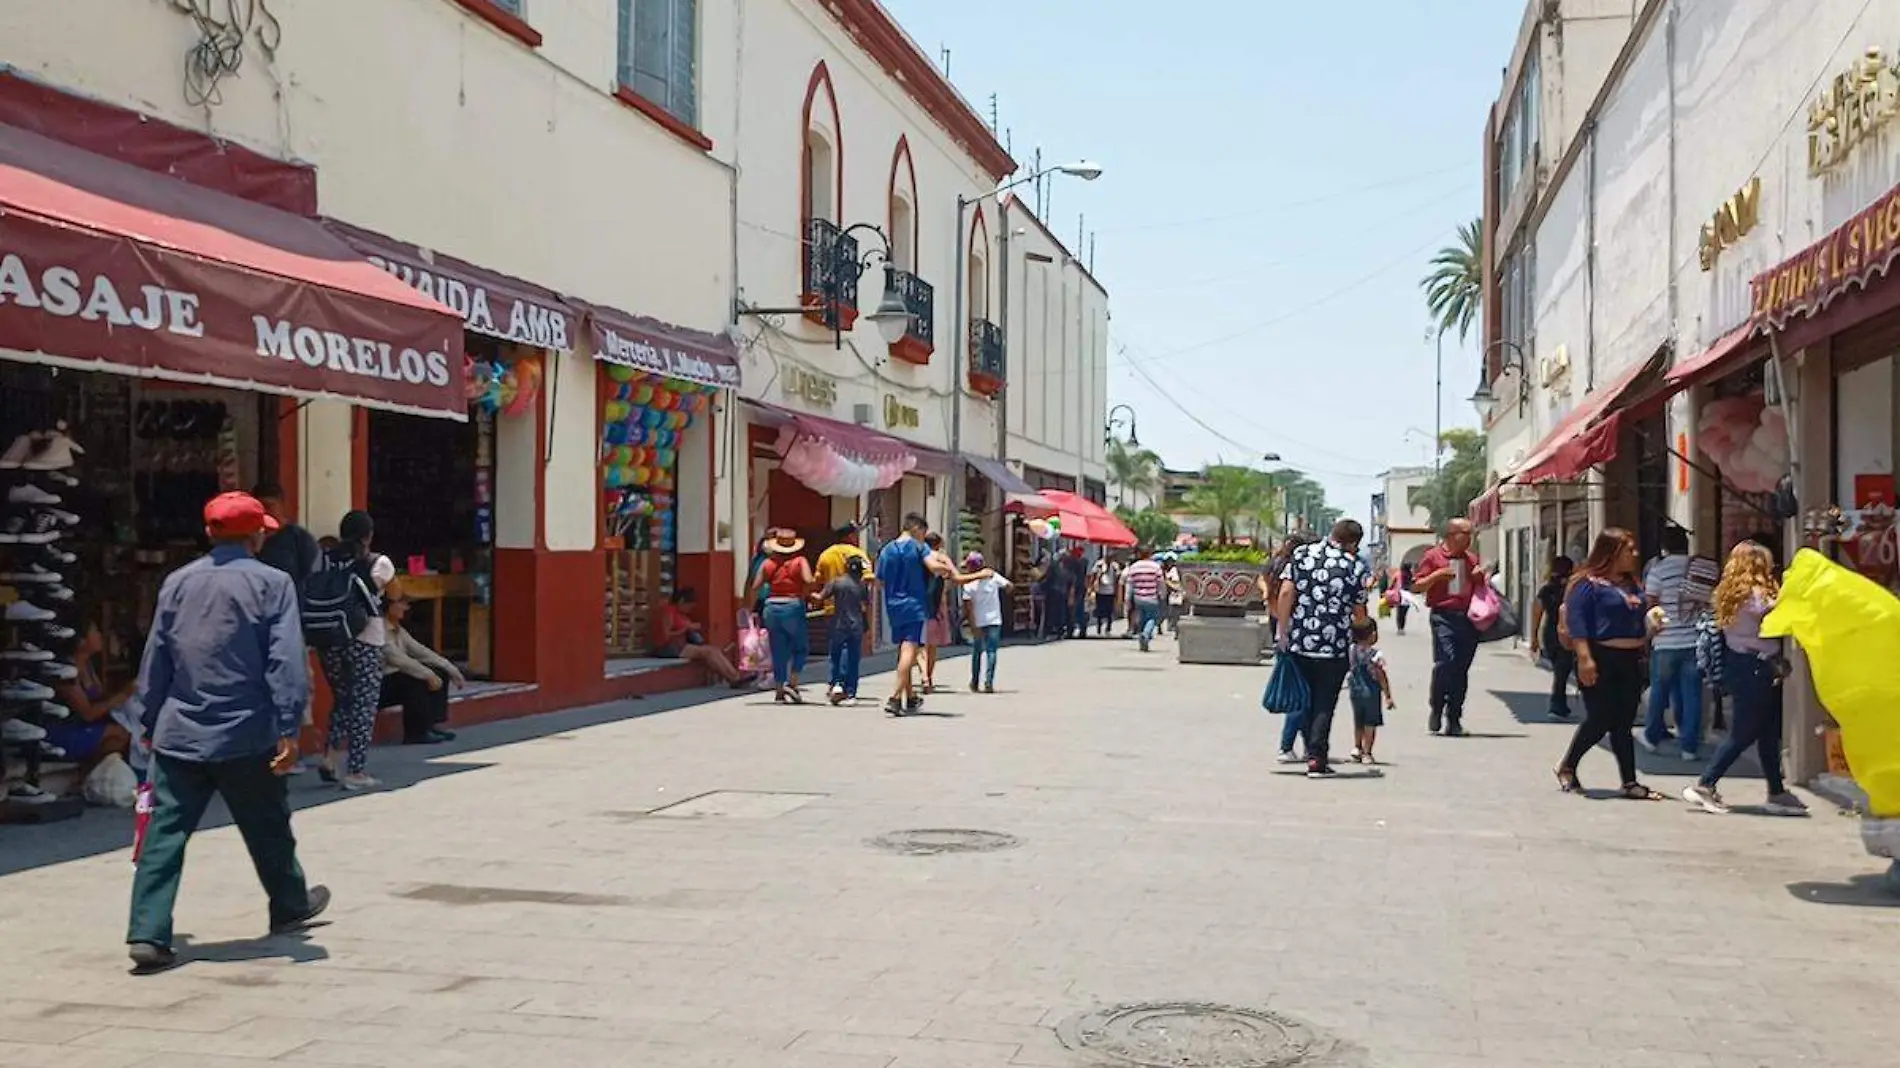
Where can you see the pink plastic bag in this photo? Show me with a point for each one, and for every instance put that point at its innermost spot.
(755, 648)
(1484, 607)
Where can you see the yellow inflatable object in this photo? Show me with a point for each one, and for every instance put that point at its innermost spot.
(1849, 626)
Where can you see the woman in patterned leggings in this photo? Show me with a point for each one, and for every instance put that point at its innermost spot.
(355, 671)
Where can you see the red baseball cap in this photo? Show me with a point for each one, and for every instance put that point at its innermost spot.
(237, 515)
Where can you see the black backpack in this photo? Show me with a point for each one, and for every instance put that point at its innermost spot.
(337, 602)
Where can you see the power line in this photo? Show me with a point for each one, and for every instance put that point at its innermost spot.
(1336, 195)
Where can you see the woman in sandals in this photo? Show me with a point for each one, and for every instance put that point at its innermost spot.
(786, 579)
(1604, 615)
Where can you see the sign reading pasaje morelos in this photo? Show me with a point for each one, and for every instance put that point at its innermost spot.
(1852, 255)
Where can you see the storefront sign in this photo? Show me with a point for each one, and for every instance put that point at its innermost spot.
(661, 348)
(1732, 221)
(1554, 369)
(897, 413)
(490, 303)
(1855, 105)
(811, 388)
(1851, 255)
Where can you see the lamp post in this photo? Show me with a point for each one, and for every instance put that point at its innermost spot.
(1108, 428)
(1485, 400)
(839, 277)
(960, 333)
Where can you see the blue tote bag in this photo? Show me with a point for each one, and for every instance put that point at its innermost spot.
(1286, 692)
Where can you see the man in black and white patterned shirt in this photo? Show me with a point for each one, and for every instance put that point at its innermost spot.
(1324, 595)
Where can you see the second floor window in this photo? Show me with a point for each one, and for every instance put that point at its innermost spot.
(513, 7)
(1519, 139)
(658, 48)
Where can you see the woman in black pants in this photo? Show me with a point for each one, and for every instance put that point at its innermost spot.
(1604, 614)
(1546, 640)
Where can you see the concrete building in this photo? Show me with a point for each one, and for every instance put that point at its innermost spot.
(1682, 379)
(1401, 531)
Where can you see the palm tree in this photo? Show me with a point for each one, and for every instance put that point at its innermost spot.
(1135, 469)
(1455, 285)
(1228, 494)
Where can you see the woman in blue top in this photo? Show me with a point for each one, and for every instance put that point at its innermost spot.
(1605, 621)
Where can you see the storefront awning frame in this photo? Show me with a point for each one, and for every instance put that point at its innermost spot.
(1586, 437)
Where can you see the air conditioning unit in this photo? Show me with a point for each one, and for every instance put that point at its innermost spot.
(861, 414)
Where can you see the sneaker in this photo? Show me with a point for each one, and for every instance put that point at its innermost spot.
(989, 687)
(27, 612)
(914, 703)
(28, 493)
(28, 530)
(27, 652)
(1454, 730)
(49, 751)
(55, 555)
(1144, 645)
(1648, 746)
(52, 710)
(1690, 756)
(55, 452)
(359, 781)
(20, 732)
(15, 456)
(149, 959)
(25, 793)
(25, 690)
(1356, 756)
(974, 688)
(1288, 756)
(61, 594)
(33, 573)
(1436, 723)
(1706, 797)
(60, 516)
(319, 899)
(894, 707)
(60, 479)
(1559, 714)
(54, 632)
(1320, 771)
(1785, 804)
(55, 670)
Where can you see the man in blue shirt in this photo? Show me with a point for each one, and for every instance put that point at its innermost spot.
(904, 568)
(222, 691)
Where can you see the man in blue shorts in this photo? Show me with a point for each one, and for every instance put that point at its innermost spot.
(904, 568)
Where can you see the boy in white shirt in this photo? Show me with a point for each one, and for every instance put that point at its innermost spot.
(983, 609)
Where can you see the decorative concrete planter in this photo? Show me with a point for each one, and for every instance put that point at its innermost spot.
(1221, 589)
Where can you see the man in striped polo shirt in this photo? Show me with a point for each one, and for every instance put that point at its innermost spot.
(1144, 582)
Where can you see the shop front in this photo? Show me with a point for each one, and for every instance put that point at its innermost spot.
(157, 340)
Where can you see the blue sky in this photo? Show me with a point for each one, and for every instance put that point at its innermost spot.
(1278, 174)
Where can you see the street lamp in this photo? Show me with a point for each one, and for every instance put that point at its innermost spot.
(1086, 170)
(836, 278)
(1108, 428)
(1485, 400)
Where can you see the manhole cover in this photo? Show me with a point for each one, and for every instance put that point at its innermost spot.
(1186, 1034)
(931, 841)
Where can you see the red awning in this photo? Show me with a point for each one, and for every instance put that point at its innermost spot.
(1587, 436)
(1102, 526)
(1486, 508)
(1729, 353)
(661, 348)
(105, 266)
(489, 302)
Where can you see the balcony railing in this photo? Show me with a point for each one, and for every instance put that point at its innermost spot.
(920, 298)
(988, 369)
(831, 286)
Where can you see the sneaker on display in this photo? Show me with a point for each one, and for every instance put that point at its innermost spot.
(32, 573)
(53, 669)
(28, 493)
(20, 732)
(54, 632)
(60, 478)
(56, 555)
(16, 455)
(27, 652)
(56, 452)
(49, 751)
(52, 710)
(26, 793)
(59, 515)
(28, 530)
(27, 612)
(56, 593)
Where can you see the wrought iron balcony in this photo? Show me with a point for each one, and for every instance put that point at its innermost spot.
(831, 275)
(988, 369)
(920, 298)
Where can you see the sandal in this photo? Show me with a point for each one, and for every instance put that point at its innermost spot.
(1636, 791)
(1567, 782)
(791, 692)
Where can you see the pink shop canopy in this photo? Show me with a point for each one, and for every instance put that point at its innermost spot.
(842, 459)
(1082, 518)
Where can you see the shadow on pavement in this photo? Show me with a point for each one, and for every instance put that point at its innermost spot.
(1861, 891)
(28, 846)
(295, 949)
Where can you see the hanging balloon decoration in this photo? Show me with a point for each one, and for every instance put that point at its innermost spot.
(834, 472)
(508, 385)
(642, 421)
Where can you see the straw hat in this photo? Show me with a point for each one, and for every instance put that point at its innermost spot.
(784, 542)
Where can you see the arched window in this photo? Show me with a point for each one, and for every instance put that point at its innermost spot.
(823, 145)
(978, 291)
(902, 223)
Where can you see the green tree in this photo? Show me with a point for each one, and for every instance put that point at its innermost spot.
(1229, 494)
(1460, 479)
(1135, 469)
(1455, 284)
(1154, 528)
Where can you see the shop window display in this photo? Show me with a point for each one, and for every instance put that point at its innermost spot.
(643, 419)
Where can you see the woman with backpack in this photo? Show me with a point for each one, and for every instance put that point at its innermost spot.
(353, 665)
(785, 580)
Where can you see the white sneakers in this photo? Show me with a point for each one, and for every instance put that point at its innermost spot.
(24, 690)
(27, 612)
(33, 573)
(48, 450)
(28, 493)
(27, 652)
(19, 732)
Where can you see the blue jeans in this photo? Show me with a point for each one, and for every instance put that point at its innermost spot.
(1758, 719)
(1290, 732)
(984, 642)
(785, 626)
(1673, 674)
(847, 649)
(1149, 615)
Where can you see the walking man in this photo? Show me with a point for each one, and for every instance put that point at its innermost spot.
(1145, 584)
(222, 691)
(1447, 575)
(905, 566)
(1674, 677)
(1321, 597)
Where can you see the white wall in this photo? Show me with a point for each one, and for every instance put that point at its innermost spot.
(1057, 337)
(431, 126)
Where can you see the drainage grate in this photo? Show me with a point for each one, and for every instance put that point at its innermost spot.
(1189, 1034)
(930, 842)
(451, 894)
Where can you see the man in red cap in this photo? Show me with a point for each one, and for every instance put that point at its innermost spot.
(222, 690)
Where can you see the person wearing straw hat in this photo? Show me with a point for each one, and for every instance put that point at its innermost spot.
(786, 580)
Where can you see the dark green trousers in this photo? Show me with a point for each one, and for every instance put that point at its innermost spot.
(260, 806)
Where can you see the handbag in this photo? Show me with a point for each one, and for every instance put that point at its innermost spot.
(1286, 693)
(1394, 596)
(1485, 604)
(1503, 625)
(755, 646)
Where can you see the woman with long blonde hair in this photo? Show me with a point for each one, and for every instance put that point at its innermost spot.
(1605, 618)
(1752, 671)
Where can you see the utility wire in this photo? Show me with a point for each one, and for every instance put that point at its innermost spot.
(1326, 198)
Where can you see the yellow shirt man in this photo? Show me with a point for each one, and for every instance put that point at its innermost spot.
(835, 559)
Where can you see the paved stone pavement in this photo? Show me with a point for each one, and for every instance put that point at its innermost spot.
(519, 901)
